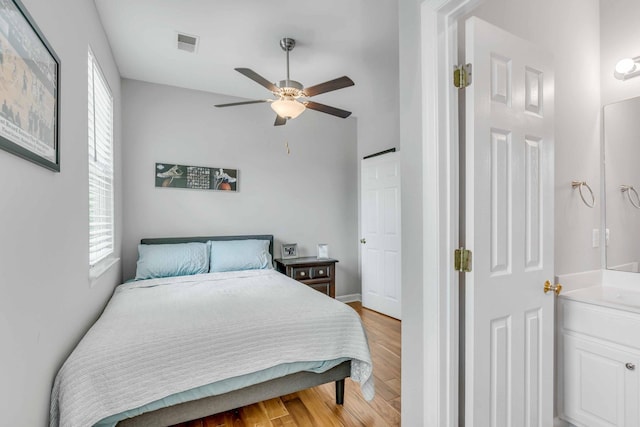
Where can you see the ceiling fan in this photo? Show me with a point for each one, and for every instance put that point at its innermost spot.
(291, 101)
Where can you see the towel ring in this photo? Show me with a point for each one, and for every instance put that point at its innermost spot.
(629, 189)
(581, 184)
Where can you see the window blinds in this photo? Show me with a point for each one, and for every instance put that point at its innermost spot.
(101, 212)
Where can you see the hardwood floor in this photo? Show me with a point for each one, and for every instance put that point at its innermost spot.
(317, 407)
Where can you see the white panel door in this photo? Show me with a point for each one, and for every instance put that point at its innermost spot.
(509, 224)
(380, 238)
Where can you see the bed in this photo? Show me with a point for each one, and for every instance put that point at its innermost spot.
(171, 349)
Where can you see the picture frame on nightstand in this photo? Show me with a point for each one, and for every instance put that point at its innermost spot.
(289, 250)
(323, 251)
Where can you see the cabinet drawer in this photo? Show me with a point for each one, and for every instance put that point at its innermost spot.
(321, 272)
(301, 273)
(613, 325)
(320, 287)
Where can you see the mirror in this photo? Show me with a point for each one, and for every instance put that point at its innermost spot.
(622, 184)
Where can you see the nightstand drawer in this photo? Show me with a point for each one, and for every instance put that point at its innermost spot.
(301, 273)
(321, 272)
(320, 287)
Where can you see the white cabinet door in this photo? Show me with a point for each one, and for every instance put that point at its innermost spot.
(600, 384)
(509, 228)
(380, 244)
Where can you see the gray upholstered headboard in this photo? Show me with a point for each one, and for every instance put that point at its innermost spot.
(204, 239)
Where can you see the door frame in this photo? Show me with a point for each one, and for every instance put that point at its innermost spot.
(440, 145)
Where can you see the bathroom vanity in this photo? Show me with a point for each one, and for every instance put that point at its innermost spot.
(598, 319)
(599, 357)
(598, 312)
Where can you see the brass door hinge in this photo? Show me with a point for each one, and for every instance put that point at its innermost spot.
(462, 260)
(462, 76)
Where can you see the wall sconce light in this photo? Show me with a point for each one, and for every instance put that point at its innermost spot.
(627, 68)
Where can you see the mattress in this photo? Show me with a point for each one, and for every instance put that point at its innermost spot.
(169, 338)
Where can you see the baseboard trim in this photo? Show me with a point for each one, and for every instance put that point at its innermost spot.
(349, 298)
(557, 422)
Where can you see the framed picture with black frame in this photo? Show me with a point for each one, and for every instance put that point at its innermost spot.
(289, 250)
(29, 88)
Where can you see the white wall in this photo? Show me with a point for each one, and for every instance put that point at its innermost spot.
(308, 196)
(619, 39)
(47, 302)
(619, 36)
(378, 121)
(570, 31)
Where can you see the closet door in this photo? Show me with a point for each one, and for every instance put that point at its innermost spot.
(381, 234)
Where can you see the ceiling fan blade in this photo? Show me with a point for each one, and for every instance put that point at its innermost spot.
(280, 121)
(334, 84)
(258, 79)
(327, 109)
(257, 101)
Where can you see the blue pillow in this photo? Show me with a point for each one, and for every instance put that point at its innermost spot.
(180, 259)
(235, 255)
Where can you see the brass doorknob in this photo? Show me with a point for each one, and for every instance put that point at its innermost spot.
(363, 241)
(549, 287)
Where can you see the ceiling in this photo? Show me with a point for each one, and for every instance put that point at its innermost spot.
(357, 38)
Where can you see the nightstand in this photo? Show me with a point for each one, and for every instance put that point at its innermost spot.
(318, 273)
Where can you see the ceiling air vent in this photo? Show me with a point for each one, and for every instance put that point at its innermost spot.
(187, 43)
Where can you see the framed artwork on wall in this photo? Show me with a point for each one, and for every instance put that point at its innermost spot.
(196, 177)
(29, 88)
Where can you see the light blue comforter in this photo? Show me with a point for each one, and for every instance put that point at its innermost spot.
(158, 338)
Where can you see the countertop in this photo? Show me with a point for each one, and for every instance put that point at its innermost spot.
(607, 296)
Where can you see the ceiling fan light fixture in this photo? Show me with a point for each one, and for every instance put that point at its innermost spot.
(288, 108)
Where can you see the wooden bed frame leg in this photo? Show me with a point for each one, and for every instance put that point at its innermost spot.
(340, 392)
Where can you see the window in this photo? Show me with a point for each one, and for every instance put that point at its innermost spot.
(101, 212)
